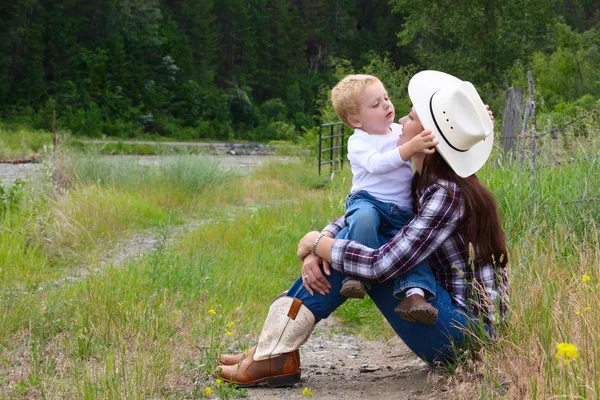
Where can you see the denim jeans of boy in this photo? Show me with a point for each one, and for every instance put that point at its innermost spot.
(372, 223)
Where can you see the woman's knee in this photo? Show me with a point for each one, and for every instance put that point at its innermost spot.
(320, 305)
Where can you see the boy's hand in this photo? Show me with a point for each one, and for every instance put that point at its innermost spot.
(490, 113)
(424, 142)
(401, 140)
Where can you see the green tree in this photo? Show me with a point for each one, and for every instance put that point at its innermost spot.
(475, 39)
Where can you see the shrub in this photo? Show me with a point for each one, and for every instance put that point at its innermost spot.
(10, 197)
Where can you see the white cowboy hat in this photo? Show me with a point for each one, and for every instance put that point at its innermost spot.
(454, 112)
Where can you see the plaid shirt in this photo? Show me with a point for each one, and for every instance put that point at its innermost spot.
(433, 232)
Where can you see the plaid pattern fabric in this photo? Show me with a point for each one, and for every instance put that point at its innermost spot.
(475, 287)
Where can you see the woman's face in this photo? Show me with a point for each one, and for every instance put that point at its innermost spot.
(411, 125)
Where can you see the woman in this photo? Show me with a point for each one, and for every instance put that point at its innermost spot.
(456, 225)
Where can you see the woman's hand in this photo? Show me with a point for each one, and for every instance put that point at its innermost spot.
(490, 113)
(313, 278)
(306, 243)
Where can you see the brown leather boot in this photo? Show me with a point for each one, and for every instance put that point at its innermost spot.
(416, 309)
(353, 289)
(283, 370)
(231, 359)
(275, 360)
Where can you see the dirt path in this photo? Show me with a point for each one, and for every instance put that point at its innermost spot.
(341, 366)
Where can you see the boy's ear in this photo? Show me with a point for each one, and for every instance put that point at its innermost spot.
(355, 121)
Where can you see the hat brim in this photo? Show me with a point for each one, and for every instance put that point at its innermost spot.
(420, 89)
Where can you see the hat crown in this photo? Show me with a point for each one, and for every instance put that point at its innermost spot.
(460, 115)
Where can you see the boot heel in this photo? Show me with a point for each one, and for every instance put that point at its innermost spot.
(283, 381)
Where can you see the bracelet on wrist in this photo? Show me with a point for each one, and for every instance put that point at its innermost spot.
(315, 244)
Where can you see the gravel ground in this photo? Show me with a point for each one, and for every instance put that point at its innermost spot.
(10, 172)
(342, 366)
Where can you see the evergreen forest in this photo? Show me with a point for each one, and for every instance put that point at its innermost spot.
(261, 70)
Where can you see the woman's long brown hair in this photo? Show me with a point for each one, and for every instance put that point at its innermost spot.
(481, 221)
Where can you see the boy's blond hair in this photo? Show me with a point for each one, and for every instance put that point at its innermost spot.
(344, 95)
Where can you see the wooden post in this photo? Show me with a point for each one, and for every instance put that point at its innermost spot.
(522, 136)
(511, 119)
(54, 137)
(554, 132)
(533, 120)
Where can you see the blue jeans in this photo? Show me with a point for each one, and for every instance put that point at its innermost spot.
(372, 223)
(432, 343)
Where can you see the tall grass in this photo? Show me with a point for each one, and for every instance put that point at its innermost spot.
(105, 200)
(551, 218)
(187, 174)
(18, 142)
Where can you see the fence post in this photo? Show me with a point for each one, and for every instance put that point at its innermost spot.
(533, 120)
(511, 119)
(337, 143)
(54, 137)
(522, 135)
(320, 145)
(331, 151)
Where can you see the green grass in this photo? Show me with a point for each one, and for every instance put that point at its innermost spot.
(146, 329)
(104, 201)
(17, 142)
(122, 148)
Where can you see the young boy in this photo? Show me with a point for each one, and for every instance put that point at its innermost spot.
(380, 202)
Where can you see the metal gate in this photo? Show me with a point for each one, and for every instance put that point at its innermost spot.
(334, 154)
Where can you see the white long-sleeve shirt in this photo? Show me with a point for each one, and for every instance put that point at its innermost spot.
(378, 168)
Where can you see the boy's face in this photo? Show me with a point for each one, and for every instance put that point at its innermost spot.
(375, 110)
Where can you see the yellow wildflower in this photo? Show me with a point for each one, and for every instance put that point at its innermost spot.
(228, 333)
(248, 350)
(219, 382)
(307, 392)
(577, 312)
(586, 278)
(207, 391)
(566, 351)
(587, 309)
(230, 325)
(212, 312)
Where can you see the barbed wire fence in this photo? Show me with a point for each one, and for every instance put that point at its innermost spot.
(520, 135)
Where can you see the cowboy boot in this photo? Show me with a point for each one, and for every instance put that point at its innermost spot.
(276, 359)
(233, 359)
